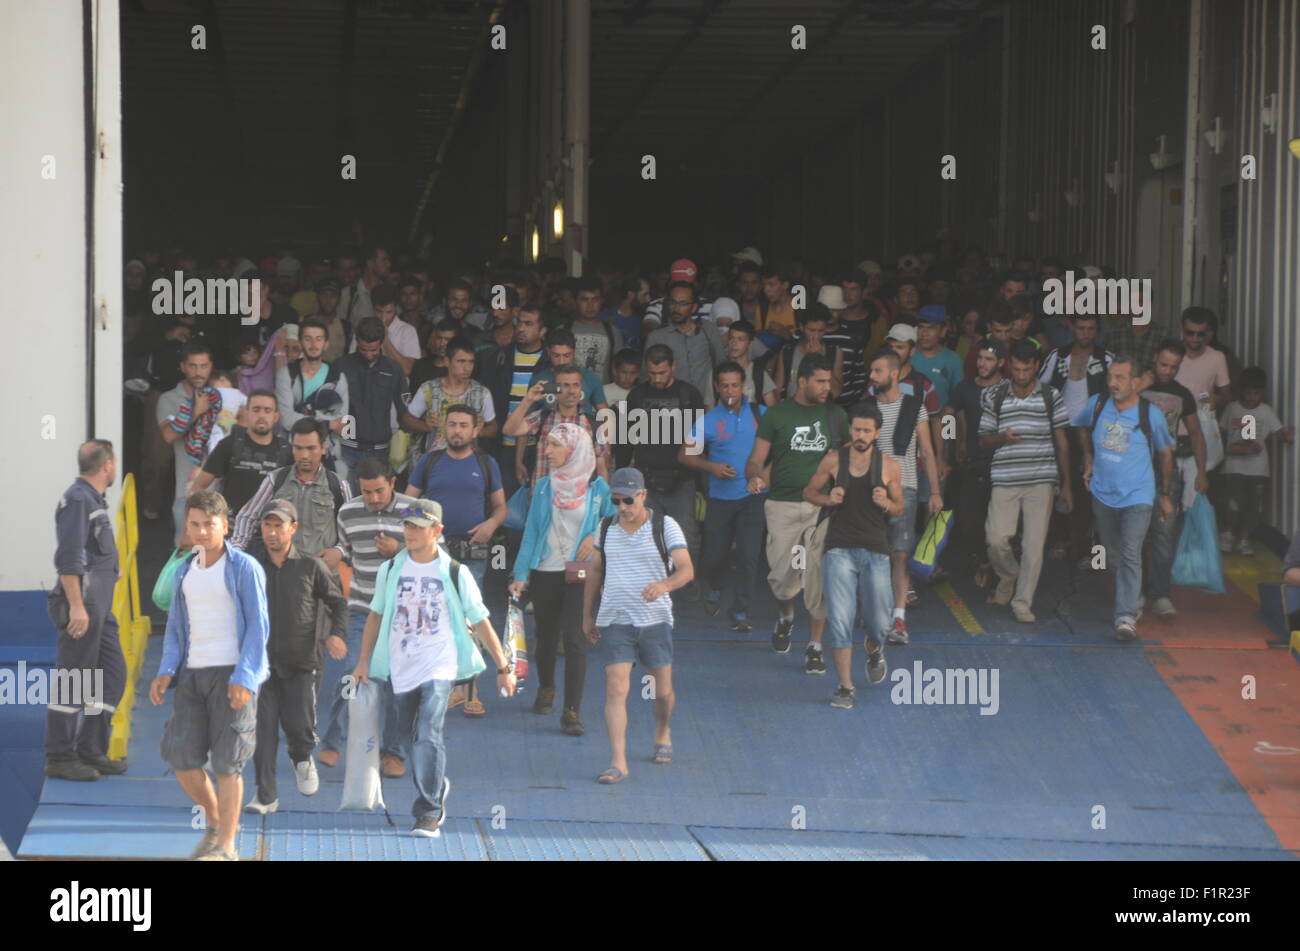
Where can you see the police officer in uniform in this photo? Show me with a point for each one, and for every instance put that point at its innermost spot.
(81, 606)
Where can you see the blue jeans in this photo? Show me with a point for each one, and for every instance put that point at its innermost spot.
(349, 459)
(420, 713)
(332, 715)
(1122, 532)
(855, 579)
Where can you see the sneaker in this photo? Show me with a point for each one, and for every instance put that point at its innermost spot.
(713, 603)
(740, 624)
(545, 701)
(897, 633)
(842, 698)
(813, 662)
(392, 767)
(258, 808)
(570, 725)
(1225, 542)
(72, 769)
(308, 781)
(1022, 614)
(427, 826)
(1164, 608)
(105, 766)
(1244, 548)
(219, 855)
(876, 666)
(781, 636)
(206, 844)
(1126, 632)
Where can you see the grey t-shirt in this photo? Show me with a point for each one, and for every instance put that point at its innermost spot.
(592, 350)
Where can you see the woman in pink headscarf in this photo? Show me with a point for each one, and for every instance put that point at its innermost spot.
(560, 530)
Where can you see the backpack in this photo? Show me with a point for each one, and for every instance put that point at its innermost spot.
(875, 470)
(656, 529)
(281, 476)
(332, 373)
(427, 462)
(1144, 418)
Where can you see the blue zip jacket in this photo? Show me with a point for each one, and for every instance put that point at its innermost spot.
(532, 550)
(245, 579)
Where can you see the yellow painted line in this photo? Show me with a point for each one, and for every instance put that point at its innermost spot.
(1247, 573)
(958, 608)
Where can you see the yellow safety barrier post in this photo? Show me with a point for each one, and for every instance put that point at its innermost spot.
(133, 626)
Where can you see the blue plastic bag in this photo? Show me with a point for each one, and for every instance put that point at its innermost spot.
(931, 545)
(517, 508)
(1197, 562)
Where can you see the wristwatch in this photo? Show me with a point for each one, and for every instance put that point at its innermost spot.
(507, 669)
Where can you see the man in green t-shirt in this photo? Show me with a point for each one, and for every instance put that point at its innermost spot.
(793, 436)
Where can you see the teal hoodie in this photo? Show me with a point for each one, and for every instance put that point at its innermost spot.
(464, 605)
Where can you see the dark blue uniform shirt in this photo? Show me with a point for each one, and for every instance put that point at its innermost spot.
(84, 526)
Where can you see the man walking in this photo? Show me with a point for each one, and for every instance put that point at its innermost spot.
(375, 385)
(215, 651)
(1120, 437)
(694, 343)
(635, 622)
(299, 588)
(242, 461)
(791, 440)
(726, 435)
(1024, 423)
(81, 607)
(855, 560)
(417, 637)
(185, 417)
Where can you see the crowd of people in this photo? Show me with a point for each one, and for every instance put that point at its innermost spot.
(432, 448)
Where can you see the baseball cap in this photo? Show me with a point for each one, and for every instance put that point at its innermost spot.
(748, 254)
(627, 480)
(724, 308)
(869, 268)
(993, 345)
(422, 512)
(683, 269)
(288, 267)
(136, 264)
(326, 285)
(282, 509)
(902, 332)
(831, 297)
(909, 262)
(932, 314)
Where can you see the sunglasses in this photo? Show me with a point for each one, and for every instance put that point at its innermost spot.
(413, 510)
(631, 500)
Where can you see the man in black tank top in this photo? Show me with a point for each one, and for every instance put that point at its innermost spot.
(867, 490)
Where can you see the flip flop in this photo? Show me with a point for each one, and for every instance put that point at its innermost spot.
(663, 753)
(474, 708)
(455, 702)
(611, 776)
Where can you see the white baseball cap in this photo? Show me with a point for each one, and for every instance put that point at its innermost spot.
(902, 332)
(748, 254)
(870, 268)
(831, 296)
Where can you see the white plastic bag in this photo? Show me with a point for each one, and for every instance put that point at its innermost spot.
(1213, 438)
(361, 784)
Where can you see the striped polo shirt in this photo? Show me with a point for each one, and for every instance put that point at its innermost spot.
(1032, 459)
(358, 527)
(631, 563)
(524, 368)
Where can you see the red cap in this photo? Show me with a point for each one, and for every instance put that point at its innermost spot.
(682, 269)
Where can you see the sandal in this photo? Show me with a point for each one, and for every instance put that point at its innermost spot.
(611, 776)
(474, 708)
(663, 753)
(912, 597)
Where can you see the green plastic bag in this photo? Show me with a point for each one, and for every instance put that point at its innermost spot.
(166, 583)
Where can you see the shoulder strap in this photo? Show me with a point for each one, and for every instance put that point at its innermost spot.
(1000, 397)
(432, 458)
(483, 467)
(657, 530)
(877, 470)
(280, 478)
(1096, 410)
(332, 372)
(905, 425)
(832, 423)
(1144, 422)
(453, 567)
(753, 408)
(604, 534)
(1049, 402)
(336, 488)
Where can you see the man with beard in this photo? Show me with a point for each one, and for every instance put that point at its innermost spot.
(242, 460)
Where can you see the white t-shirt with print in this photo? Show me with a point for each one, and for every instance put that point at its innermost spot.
(421, 646)
(1266, 423)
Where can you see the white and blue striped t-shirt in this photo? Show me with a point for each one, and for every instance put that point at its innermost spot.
(631, 563)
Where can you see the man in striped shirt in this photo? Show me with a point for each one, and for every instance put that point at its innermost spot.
(1023, 422)
(370, 532)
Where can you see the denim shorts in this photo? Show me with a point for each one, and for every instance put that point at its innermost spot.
(902, 530)
(202, 723)
(627, 644)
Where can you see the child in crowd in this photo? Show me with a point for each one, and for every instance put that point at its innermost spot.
(232, 407)
(1248, 423)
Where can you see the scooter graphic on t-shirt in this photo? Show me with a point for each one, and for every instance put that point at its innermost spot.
(808, 439)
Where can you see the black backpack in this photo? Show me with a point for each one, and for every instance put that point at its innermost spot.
(875, 470)
(427, 462)
(656, 529)
(1144, 418)
(905, 425)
